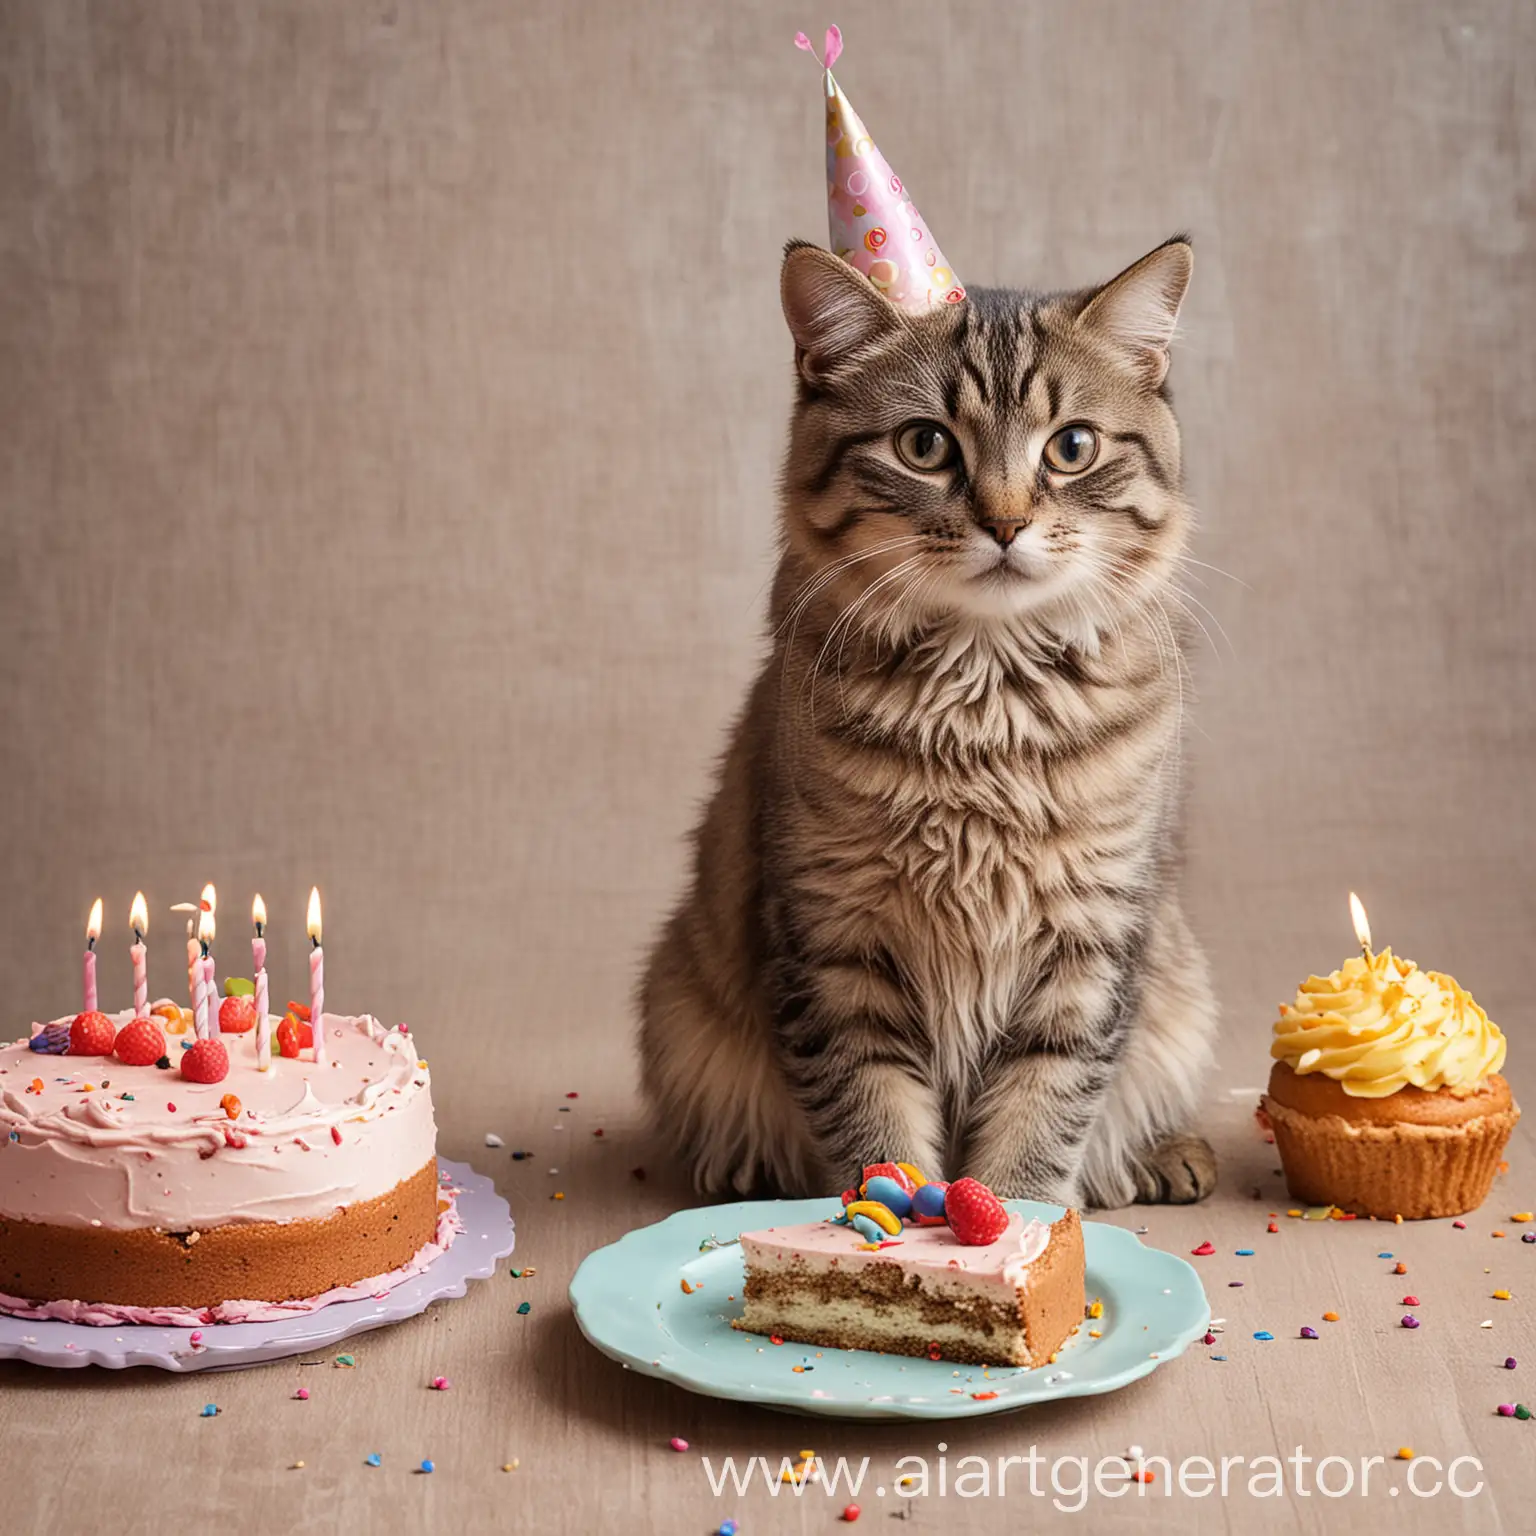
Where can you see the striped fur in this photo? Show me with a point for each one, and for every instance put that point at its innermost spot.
(932, 914)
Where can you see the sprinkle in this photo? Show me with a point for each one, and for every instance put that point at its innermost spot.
(511, 1466)
(1498, 1233)
(1309, 1333)
(195, 1338)
(1234, 1285)
(1383, 1255)
(336, 1134)
(441, 1384)
(983, 1397)
(210, 1411)
(728, 1528)
(1209, 1338)
(524, 1308)
(1218, 1357)
(1510, 1363)
(1204, 1251)
(372, 1459)
(1501, 1295)
(1506, 1410)
(688, 1289)
(345, 1362)
(170, 1109)
(1264, 1335)
(1528, 1237)
(298, 1466)
(1293, 1212)
(559, 1194)
(427, 1466)
(302, 1394)
(1142, 1475)
(1273, 1227)
(1521, 1411)
(1409, 1320)
(851, 1513)
(128, 1097)
(1405, 1453)
(774, 1338)
(230, 1105)
(1244, 1253)
(1410, 1301)
(1486, 1323)
(1521, 1216)
(1330, 1317)
(1460, 1226)
(1399, 1268)
(493, 1140)
(517, 1157)
(573, 1095)
(678, 1443)
(1097, 1309)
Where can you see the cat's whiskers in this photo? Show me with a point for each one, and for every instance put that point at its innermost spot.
(846, 617)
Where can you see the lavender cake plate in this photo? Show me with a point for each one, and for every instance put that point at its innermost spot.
(488, 1237)
(630, 1304)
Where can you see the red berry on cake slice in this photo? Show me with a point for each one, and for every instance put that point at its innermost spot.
(92, 1034)
(237, 1015)
(206, 1062)
(976, 1216)
(140, 1043)
(293, 1035)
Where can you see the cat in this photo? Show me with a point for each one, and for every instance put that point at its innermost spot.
(933, 914)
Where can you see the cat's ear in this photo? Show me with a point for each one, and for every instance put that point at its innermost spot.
(833, 311)
(1137, 311)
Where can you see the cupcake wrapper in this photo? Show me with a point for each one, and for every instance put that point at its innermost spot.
(1412, 1171)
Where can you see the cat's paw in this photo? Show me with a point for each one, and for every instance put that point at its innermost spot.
(1178, 1171)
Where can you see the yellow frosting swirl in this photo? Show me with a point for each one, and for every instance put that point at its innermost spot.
(1375, 1026)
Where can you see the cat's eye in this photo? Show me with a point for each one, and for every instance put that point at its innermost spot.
(1071, 450)
(925, 446)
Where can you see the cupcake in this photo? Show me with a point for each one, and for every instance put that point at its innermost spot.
(1385, 1096)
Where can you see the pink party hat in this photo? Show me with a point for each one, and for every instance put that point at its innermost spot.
(875, 227)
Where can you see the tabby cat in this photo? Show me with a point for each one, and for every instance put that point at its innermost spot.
(933, 913)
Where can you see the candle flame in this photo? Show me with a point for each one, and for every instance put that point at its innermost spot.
(93, 922)
(205, 927)
(258, 911)
(1362, 923)
(138, 915)
(314, 913)
(210, 898)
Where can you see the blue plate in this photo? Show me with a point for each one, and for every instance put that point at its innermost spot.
(630, 1303)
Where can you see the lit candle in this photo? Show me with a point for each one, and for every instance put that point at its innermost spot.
(259, 966)
(138, 920)
(201, 999)
(316, 978)
(1362, 926)
(210, 906)
(88, 969)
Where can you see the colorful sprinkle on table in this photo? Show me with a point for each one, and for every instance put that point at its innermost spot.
(1510, 1363)
(1204, 1251)
(1245, 1253)
(1309, 1333)
(1330, 1317)
(1405, 1453)
(440, 1384)
(302, 1395)
(428, 1466)
(345, 1362)
(524, 1308)
(1501, 1295)
(678, 1443)
(1264, 1335)
(372, 1459)
(210, 1411)
(1409, 1320)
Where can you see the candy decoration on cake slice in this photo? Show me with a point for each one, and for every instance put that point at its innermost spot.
(928, 1204)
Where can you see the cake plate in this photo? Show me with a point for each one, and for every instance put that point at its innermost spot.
(488, 1236)
(630, 1302)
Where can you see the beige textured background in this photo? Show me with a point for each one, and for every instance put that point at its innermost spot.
(391, 398)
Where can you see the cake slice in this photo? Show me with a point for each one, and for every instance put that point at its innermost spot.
(921, 1291)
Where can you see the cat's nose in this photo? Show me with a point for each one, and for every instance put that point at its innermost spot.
(1005, 529)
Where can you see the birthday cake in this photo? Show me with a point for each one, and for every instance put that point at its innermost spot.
(910, 1267)
(147, 1175)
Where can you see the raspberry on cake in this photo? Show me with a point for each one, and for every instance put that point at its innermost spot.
(203, 1194)
(985, 1288)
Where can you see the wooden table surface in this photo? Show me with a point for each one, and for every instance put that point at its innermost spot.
(128, 1452)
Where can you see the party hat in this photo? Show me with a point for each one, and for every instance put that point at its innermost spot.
(874, 224)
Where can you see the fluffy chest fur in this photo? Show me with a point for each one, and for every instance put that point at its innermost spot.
(962, 807)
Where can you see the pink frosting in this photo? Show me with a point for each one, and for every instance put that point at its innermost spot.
(142, 1147)
(820, 1245)
(107, 1315)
